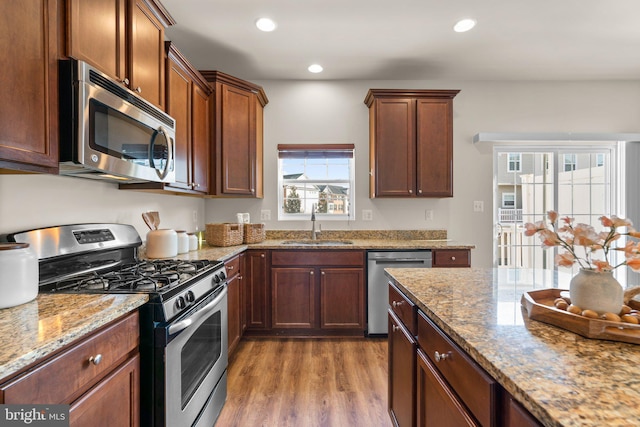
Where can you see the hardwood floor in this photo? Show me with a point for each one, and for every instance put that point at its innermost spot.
(307, 383)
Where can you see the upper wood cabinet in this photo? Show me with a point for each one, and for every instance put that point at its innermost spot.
(124, 39)
(29, 85)
(410, 142)
(237, 108)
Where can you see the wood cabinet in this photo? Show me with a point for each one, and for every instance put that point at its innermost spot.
(402, 373)
(318, 292)
(257, 297)
(124, 39)
(410, 142)
(235, 299)
(237, 112)
(94, 375)
(29, 85)
(451, 258)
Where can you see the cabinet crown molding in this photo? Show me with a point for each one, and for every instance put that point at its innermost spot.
(214, 76)
(409, 93)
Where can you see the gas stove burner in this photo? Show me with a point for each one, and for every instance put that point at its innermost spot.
(94, 283)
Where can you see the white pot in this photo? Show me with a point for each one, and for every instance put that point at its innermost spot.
(162, 243)
(18, 274)
(597, 291)
(183, 242)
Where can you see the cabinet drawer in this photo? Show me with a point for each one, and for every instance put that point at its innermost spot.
(452, 258)
(232, 266)
(71, 372)
(406, 310)
(321, 258)
(476, 389)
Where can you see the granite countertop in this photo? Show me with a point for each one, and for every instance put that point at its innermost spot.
(562, 378)
(31, 331)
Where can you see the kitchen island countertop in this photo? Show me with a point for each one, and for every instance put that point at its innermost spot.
(562, 378)
(32, 331)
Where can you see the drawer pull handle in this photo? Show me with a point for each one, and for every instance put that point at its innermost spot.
(395, 328)
(442, 356)
(397, 303)
(95, 359)
(230, 267)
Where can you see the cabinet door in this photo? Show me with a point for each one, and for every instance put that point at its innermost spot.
(201, 140)
(294, 297)
(437, 404)
(29, 85)
(342, 298)
(402, 374)
(179, 92)
(103, 45)
(146, 54)
(234, 310)
(394, 147)
(112, 402)
(238, 141)
(434, 142)
(257, 298)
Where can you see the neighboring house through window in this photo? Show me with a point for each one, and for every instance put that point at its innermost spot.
(320, 175)
(514, 162)
(569, 162)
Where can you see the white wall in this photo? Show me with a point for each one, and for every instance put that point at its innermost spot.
(334, 111)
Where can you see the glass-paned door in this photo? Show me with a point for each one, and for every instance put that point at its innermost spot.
(578, 183)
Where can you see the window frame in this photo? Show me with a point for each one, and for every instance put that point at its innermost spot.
(346, 151)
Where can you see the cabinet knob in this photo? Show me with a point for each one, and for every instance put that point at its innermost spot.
(138, 89)
(261, 255)
(95, 359)
(397, 303)
(230, 267)
(311, 272)
(322, 273)
(125, 81)
(253, 190)
(419, 191)
(453, 258)
(395, 328)
(410, 191)
(442, 356)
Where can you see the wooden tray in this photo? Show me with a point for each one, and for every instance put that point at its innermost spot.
(540, 307)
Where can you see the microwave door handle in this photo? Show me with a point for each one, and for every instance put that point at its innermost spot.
(167, 165)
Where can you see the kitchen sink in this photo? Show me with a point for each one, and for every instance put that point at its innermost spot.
(309, 242)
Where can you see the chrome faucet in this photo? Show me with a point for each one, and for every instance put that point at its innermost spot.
(314, 232)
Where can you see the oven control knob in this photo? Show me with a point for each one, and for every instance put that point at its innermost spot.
(190, 296)
(222, 275)
(181, 303)
(216, 278)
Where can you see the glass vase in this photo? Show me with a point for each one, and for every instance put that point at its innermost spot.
(597, 291)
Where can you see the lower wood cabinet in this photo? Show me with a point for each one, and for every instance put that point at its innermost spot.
(257, 298)
(451, 258)
(434, 383)
(99, 376)
(235, 300)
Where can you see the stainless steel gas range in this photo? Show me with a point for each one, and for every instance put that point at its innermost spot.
(183, 337)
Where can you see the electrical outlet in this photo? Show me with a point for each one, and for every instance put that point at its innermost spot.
(478, 206)
(367, 215)
(195, 216)
(265, 215)
(428, 214)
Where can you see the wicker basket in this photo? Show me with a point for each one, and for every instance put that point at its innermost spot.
(253, 233)
(225, 234)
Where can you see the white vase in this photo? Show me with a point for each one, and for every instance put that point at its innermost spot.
(597, 291)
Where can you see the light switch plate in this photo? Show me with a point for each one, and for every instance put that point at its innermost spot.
(367, 215)
(265, 215)
(478, 206)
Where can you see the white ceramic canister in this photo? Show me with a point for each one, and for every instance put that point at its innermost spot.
(162, 243)
(18, 274)
(183, 241)
(193, 242)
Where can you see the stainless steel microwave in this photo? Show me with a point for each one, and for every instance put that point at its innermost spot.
(109, 132)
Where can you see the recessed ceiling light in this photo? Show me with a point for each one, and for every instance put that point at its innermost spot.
(464, 25)
(266, 24)
(315, 68)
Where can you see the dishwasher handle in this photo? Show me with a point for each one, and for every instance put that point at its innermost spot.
(399, 260)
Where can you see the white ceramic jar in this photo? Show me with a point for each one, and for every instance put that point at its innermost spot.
(183, 241)
(193, 242)
(162, 243)
(18, 274)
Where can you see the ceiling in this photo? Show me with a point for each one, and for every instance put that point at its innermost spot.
(412, 39)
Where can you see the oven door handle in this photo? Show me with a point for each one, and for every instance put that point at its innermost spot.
(204, 311)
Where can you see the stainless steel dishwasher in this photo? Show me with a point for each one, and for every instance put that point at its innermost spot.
(377, 283)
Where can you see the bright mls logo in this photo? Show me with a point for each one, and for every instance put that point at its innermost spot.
(34, 415)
